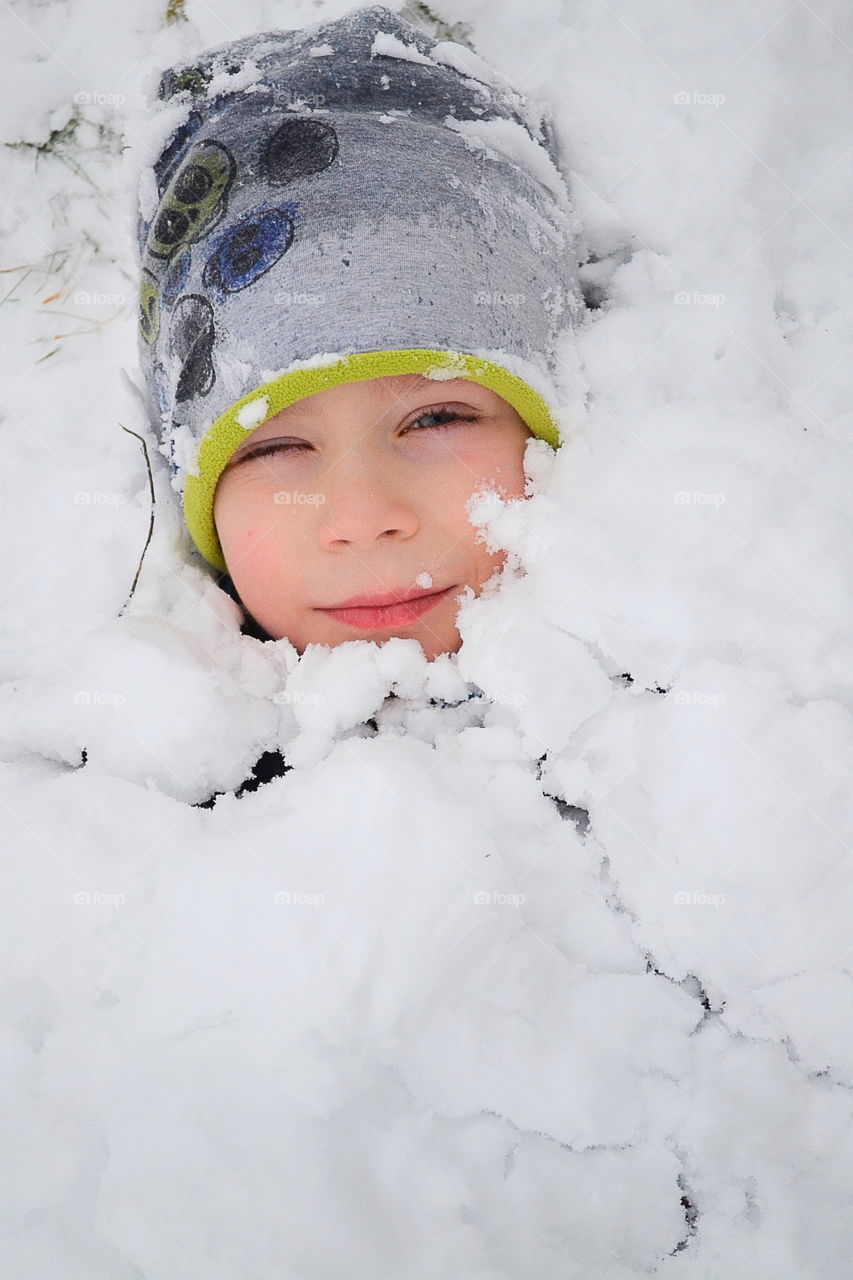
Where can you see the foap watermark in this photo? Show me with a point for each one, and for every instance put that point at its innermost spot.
(299, 699)
(486, 898)
(684, 499)
(94, 698)
(698, 698)
(95, 898)
(294, 898)
(94, 498)
(302, 99)
(94, 298)
(696, 899)
(497, 298)
(293, 497)
(96, 98)
(289, 298)
(697, 299)
(508, 699)
(697, 99)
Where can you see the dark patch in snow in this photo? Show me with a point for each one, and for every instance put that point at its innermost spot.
(579, 816)
(596, 271)
(693, 987)
(269, 765)
(691, 1215)
(612, 898)
(572, 812)
(627, 679)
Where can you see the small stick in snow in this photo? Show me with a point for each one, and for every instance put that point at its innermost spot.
(151, 523)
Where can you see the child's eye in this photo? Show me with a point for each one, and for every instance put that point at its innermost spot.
(439, 418)
(448, 417)
(273, 447)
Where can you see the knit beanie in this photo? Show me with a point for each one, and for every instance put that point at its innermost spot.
(346, 201)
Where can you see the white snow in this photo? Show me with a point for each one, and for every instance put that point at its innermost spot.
(253, 413)
(387, 46)
(510, 139)
(467, 63)
(391, 1014)
(225, 81)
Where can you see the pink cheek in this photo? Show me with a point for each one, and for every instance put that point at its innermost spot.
(251, 546)
(260, 551)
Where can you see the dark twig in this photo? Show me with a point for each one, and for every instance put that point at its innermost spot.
(151, 523)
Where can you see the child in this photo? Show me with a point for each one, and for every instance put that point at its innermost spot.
(358, 258)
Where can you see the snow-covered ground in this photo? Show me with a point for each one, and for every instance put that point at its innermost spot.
(400, 1013)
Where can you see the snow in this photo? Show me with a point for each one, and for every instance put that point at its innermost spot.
(510, 139)
(387, 46)
(225, 81)
(253, 413)
(552, 980)
(467, 63)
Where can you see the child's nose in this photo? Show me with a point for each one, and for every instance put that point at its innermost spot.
(363, 503)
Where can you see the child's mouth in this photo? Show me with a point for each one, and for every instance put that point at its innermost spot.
(375, 617)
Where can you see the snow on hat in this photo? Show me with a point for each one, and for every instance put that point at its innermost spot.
(347, 201)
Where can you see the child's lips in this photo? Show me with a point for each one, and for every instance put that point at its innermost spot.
(369, 617)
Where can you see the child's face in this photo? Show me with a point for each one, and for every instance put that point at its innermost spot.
(370, 494)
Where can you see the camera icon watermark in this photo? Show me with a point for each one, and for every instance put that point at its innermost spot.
(95, 98)
(496, 298)
(288, 298)
(93, 298)
(94, 698)
(94, 498)
(696, 99)
(294, 497)
(697, 299)
(698, 698)
(296, 99)
(486, 898)
(683, 499)
(298, 699)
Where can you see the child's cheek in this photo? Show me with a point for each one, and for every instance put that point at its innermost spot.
(253, 547)
(505, 473)
(502, 461)
(258, 546)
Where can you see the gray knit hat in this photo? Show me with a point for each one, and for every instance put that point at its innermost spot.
(347, 201)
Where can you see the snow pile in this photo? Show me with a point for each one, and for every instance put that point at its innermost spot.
(404, 1010)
